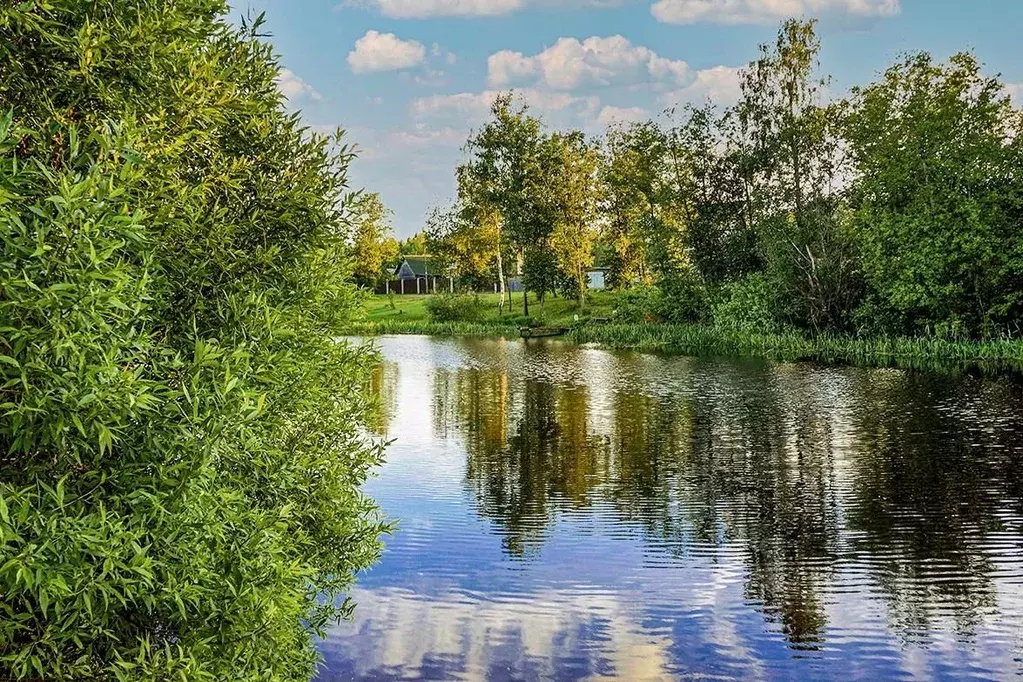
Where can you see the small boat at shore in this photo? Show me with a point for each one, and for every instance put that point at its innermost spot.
(542, 332)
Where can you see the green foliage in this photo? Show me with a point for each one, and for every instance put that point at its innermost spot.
(179, 489)
(465, 241)
(894, 212)
(720, 236)
(455, 308)
(416, 245)
(678, 301)
(684, 298)
(500, 184)
(633, 157)
(522, 321)
(640, 304)
(747, 305)
(813, 266)
(373, 248)
(540, 272)
(573, 184)
(938, 202)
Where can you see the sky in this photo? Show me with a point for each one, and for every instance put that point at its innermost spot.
(409, 79)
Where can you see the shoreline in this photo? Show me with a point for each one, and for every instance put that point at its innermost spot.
(999, 357)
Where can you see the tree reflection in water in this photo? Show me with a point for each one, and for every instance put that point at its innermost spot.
(571, 513)
(908, 479)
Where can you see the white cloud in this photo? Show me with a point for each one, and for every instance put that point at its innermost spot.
(439, 52)
(506, 67)
(402, 631)
(432, 78)
(423, 137)
(721, 85)
(472, 107)
(765, 11)
(385, 52)
(609, 115)
(411, 166)
(596, 61)
(294, 88)
(422, 9)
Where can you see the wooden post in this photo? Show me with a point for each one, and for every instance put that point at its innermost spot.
(402, 287)
(387, 286)
(451, 284)
(417, 285)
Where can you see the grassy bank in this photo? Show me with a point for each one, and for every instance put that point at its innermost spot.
(992, 357)
(554, 311)
(409, 316)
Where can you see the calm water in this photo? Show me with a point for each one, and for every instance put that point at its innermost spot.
(571, 513)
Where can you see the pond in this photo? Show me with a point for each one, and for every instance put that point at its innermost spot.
(573, 513)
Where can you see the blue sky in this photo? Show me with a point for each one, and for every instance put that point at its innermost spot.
(410, 78)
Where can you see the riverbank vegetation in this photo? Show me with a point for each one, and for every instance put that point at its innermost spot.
(181, 454)
(892, 213)
(602, 324)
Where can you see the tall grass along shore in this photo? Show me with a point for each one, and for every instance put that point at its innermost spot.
(410, 316)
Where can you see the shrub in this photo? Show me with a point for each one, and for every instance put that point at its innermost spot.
(684, 299)
(522, 320)
(937, 204)
(455, 308)
(746, 305)
(681, 300)
(179, 489)
(637, 305)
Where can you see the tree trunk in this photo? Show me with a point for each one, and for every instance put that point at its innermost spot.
(525, 292)
(500, 281)
(581, 280)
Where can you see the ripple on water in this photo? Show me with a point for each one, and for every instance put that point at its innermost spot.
(571, 513)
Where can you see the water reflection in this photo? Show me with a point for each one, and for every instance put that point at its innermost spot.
(573, 513)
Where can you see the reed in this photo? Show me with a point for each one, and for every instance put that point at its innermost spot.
(428, 328)
(992, 357)
(988, 357)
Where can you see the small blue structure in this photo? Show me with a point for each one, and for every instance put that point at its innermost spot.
(596, 278)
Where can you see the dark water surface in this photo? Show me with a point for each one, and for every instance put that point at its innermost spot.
(572, 513)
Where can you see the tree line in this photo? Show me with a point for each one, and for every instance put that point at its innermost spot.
(895, 210)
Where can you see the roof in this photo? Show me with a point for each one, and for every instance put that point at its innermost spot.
(421, 265)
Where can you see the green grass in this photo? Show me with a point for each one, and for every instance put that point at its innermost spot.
(555, 311)
(409, 316)
(990, 357)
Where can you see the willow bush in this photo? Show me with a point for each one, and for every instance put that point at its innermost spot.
(181, 454)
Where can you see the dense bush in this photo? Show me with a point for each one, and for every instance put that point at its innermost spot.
(939, 200)
(521, 320)
(179, 484)
(683, 299)
(748, 305)
(455, 308)
(812, 266)
(638, 304)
